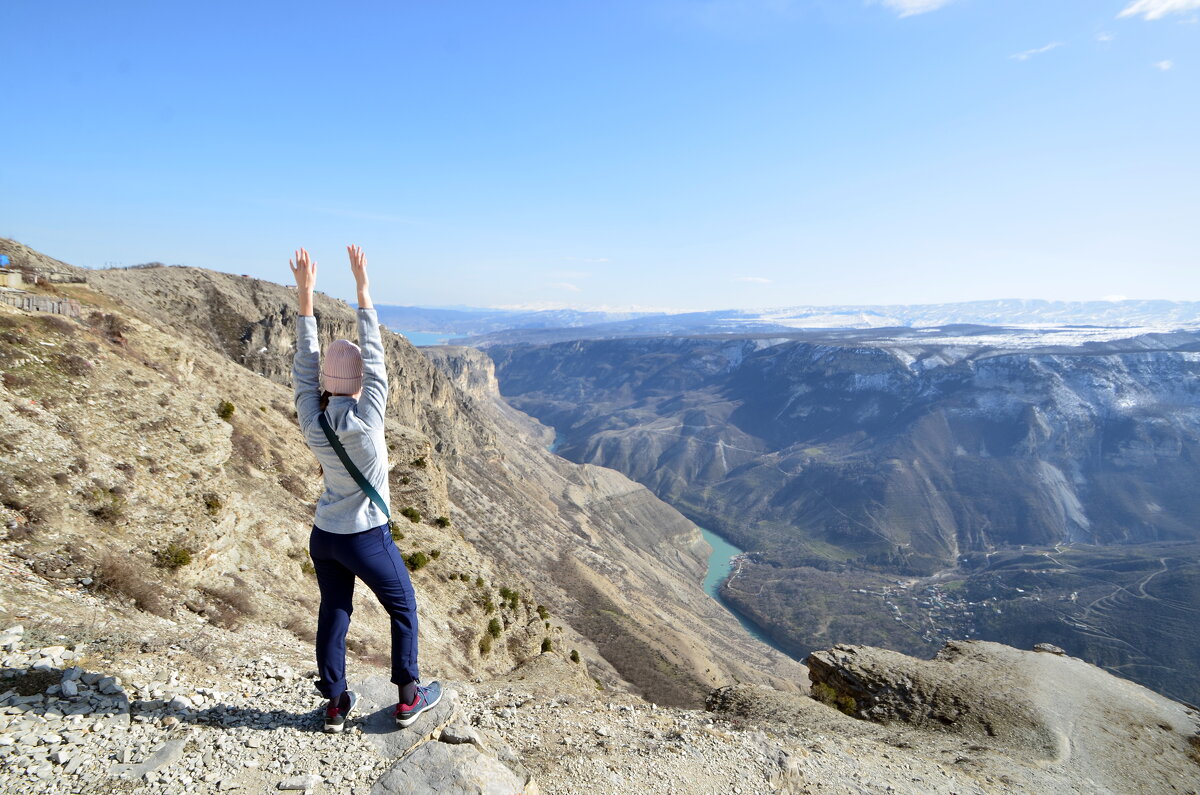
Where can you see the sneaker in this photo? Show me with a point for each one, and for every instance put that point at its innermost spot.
(335, 716)
(427, 698)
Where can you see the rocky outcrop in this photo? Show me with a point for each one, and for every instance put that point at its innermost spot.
(1056, 709)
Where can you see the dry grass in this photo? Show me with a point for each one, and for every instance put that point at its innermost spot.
(125, 576)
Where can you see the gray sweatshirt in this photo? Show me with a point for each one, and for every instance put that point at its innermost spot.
(343, 507)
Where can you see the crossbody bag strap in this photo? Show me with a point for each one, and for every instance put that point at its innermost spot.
(362, 482)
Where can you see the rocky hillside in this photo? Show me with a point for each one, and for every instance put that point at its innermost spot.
(157, 437)
(157, 605)
(844, 465)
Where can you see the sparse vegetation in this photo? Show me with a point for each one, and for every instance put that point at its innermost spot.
(416, 561)
(574, 655)
(827, 695)
(442, 521)
(547, 645)
(108, 505)
(485, 644)
(307, 567)
(212, 504)
(494, 628)
(435, 553)
(72, 364)
(173, 557)
(411, 514)
(419, 463)
(225, 410)
(120, 574)
(510, 598)
(397, 535)
(543, 613)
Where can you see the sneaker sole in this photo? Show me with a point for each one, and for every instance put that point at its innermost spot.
(404, 723)
(336, 728)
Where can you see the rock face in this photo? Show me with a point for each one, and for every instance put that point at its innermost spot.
(1059, 710)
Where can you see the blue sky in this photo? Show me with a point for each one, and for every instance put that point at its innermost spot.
(677, 154)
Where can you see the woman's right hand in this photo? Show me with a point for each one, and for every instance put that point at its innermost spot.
(305, 271)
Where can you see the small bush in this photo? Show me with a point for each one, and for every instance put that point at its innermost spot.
(489, 606)
(435, 553)
(494, 629)
(112, 327)
(16, 380)
(479, 582)
(546, 645)
(213, 504)
(411, 514)
(442, 521)
(225, 410)
(574, 655)
(397, 535)
(827, 695)
(301, 626)
(294, 485)
(120, 574)
(416, 561)
(246, 447)
(307, 567)
(72, 364)
(485, 644)
(110, 507)
(173, 557)
(542, 612)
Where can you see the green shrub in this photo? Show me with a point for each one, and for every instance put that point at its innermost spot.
(174, 556)
(546, 645)
(411, 514)
(225, 410)
(827, 695)
(574, 655)
(489, 606)
(395, 528)
(494, 628)
(419, 463)
(307, 567)
(212, 504)
(479, 582)
(435, 553)
(485, 644)
(442, 521)
(542, 612)
(416, 561)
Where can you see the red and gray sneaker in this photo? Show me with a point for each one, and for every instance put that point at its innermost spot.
(427, 698)
(336, 713)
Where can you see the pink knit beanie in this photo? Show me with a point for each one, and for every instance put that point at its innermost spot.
(343, 368)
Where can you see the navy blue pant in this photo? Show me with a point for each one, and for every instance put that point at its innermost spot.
(371, 556)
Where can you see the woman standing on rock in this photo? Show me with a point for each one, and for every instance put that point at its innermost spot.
(350, 536)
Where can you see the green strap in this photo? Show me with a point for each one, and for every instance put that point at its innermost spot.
(362, 482)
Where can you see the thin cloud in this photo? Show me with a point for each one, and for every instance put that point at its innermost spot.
(567, 286)
(908, 8)
(1104, 37)
(586, 259)
(752, 279)
(1157, 9)
(1025, 56)
(1164, 65)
